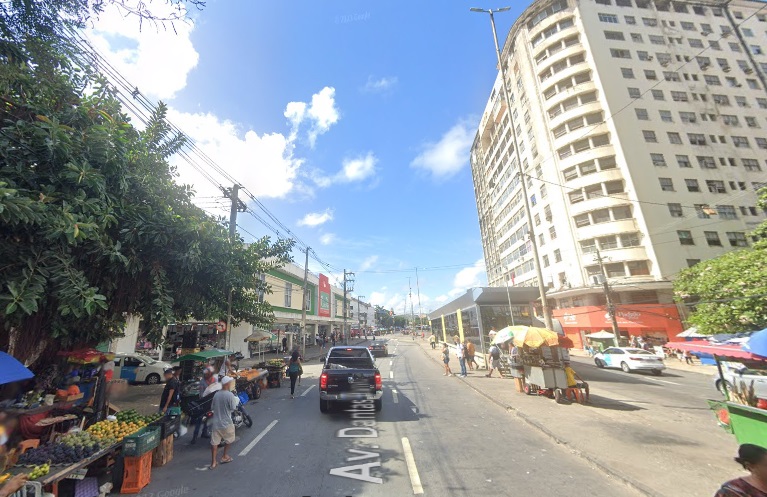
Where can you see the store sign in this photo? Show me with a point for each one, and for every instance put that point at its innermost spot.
(324, 297)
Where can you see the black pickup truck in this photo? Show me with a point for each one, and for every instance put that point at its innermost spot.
(350, 373)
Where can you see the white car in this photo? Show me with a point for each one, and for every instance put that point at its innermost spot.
(629, 359)
(736, 373)
(138, 368)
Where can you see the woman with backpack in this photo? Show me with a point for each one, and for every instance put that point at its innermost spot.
(495, 361)
(294, 370)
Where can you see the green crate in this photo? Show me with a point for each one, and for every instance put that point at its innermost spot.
(142, 441)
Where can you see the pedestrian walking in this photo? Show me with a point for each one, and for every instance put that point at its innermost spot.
(333, 338)
(687, 357)
(460, 353)
(446, 359)
(471, 350)
(294, 369)
(753, 458)
(222, 427)
(433, 341)
(495, 360)
(284, 344)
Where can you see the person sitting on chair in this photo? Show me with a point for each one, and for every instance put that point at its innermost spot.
(575, 381)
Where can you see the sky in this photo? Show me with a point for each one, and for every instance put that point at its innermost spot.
(351, 121)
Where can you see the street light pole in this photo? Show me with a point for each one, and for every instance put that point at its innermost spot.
(531, 226)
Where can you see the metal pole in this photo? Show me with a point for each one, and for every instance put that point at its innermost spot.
(418, 289)
(609, 300)
(531, 226)
(508, 295)
(303, 305)
(234, 197)
(359, 312)
(346, 339)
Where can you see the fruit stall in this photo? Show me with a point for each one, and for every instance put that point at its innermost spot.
(66, 449)
(742, 412)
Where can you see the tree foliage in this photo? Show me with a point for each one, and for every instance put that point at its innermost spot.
(93, 227)
(729, 292)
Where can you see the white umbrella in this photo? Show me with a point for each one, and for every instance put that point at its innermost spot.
(601, 334)
(691, 333)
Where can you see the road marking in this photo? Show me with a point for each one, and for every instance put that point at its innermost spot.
(664, 381)
(390, 363)
(391, 375)
(415, 480)
(395, 397)
(258, 438)
(308, 390)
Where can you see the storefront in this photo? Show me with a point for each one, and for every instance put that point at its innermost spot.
(657, 323)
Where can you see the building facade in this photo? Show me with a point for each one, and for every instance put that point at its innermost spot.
(642, 130)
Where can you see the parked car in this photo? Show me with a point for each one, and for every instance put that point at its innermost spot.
(734, 373)
(379, 347)
(630, 359)
(138, 368)
(349, 374)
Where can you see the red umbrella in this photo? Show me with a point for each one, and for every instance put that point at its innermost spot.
(87, 356)
(566, 342)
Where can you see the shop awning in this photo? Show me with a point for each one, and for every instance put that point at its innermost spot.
(724, 352)
(261, 335)
(12, 370)
(205, 355)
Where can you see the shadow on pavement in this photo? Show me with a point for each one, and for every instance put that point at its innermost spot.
(599, 402)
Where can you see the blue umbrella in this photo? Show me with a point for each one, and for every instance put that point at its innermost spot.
(757, 344)
(12, 370)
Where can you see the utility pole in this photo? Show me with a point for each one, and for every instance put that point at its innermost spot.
(348, 288)
(359, 313)
(608, 299)
(418, 288)
(303, 305)
(237, 206)
(412, 313)
(520, 167)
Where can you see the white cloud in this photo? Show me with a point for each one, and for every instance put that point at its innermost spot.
(450, 154)
(158, 59)
(468, 277)
(353, 170)
(265, 164)
(327, 238)
(321, 112)
(316, 218)
(441, 298)
(377, 298)
(368, 263)
(380, 85)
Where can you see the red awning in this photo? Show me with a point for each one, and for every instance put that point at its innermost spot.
(723, 351)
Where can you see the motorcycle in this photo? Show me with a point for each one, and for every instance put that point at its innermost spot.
(199, 412)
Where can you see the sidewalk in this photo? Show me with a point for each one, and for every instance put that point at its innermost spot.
(670, 362)
(659, 450)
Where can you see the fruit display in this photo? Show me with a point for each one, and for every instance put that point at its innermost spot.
(131, 416)
(70, 449)
(109, 432)
(39, 471)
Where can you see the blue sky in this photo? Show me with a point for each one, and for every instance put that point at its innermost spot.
(350, 120)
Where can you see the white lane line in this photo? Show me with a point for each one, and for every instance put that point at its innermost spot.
(664, 381)
(308, 390)
(395, 397)
(391, 375)
(258, 438)
(415, 480)
(390, 363)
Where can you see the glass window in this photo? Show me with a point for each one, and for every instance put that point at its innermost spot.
(666, 184)
(621, 212)
(675, 210)
(600, 216)
(608, 18)
(658, 160)
(683, 161)
(649, 136)
(685, 237)
(692, 185)
(629, 239)
(737, 239)
(642, 114)
(712, 238)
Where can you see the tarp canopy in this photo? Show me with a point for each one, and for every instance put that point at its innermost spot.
(12, 370)
(204, 355)
(724, 352)
(601, 334)
(691, 333)
(260, 336)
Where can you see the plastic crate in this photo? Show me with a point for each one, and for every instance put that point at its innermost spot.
(137, 473)
(168, 425)
(30, 489)
(142, 442)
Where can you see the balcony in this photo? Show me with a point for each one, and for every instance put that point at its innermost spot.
(570, 92)
(618, 255)
(604, 229)
(597, 177)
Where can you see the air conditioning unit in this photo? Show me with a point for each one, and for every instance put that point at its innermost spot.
(665, 63)
(738, 85)
(726, 34)
(705, 66)
(726, 68)
(706, 33)
(748, 70)
(650, 57)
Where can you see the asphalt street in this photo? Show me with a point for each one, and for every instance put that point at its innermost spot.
(435, 436)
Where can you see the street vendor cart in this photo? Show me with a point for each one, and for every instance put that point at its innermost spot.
(543, 361)
(742, 412)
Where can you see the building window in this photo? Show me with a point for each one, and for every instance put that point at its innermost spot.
(658, 160)
(614, 35)
(621, 212)
(607, 242)
(615, 270)
(703, 211)
(751, 165)
(649, 21)
(657, 95)
(692, 262)
(712, 80)
(692, 185)
(685, 237)
(637, 38)
(683, 161)
(288, 294)
(553, 233)
(638, 268)
(712, 238)
(721, 100)
(557, 256)
(740, 142)
(706, 162)
(608, 18)
(545, 259)
(601, 216)
(751, 122)
(629, 240)
(619, 53)
(761, 142)
(665, 116)
(726, 212)
(688, 117)
(737, 239)
(674, 138)
(649, 136)
(679, 96)
(581, 220)
(634, 93)
(642, 114)
(630, 20)
(696, 138)
(627, 73)
(675, 210)
(666, 184)
(649, 74)
(715, 186)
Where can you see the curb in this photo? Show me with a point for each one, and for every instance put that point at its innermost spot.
(626, 480)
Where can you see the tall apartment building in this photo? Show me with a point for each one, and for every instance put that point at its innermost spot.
(642, 130)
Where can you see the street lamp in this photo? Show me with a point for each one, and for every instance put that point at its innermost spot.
(531, 226)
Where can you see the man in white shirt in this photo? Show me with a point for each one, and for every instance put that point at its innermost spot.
(460, 353)
(221, 425)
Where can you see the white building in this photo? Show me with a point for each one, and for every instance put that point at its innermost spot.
(642, 130)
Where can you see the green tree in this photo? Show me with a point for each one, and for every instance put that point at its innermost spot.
(94, 227)
(728, 292)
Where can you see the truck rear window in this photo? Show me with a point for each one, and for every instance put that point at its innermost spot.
(349, 358)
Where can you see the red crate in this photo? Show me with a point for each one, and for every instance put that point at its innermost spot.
(137, 473)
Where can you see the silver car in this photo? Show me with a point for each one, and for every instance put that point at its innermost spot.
(734, 373)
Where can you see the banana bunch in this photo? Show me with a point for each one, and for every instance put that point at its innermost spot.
(39, 471)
